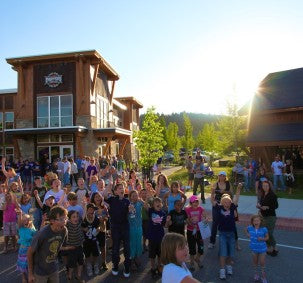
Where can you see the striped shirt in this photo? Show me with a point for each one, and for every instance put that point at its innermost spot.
(75, 234)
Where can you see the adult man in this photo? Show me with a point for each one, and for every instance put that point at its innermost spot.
(43, 252)
(66, 171)
(199, 171)
(277, 169)
(189, 167)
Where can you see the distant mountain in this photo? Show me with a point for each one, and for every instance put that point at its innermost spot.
(197, 120)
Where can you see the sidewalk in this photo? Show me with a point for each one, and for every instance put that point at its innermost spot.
(289, 213)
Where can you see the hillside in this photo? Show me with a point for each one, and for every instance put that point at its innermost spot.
(197, 120)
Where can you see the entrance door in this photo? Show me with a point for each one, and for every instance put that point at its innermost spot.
(55, 152)
(66, 150)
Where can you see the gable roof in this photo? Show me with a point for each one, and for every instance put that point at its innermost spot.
(280, 90)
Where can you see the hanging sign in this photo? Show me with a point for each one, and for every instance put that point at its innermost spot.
(53, 79)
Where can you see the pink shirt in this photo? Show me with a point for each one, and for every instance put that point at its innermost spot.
(195, 215)
(9, 214)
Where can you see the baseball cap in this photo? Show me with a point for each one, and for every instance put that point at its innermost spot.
(50, 196)
(262, 179)
(193, 198)
(222, 173)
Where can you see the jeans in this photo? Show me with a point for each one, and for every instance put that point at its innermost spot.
(227, 243)
(281, 179)
(270, 223)
(247, 182)
(199, 182)
(66, 178)
(120, 234)
(37, 218)
(214, 226)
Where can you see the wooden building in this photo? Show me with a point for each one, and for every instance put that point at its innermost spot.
(65, 106)
(276, 116)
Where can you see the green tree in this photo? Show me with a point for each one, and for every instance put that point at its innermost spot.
(173, 140)
(163, 124)
(188, 140)
(149, 139)
(232, 131)
(207, 138)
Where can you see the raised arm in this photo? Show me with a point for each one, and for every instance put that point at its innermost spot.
(236, 196)
(212, 196)
(3, 166)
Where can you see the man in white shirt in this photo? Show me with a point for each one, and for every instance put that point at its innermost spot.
(277, 169)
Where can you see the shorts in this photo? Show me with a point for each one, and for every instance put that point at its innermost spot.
(101, 239)
(52, 278)
(75, 257)
(90, 248)
(227, 244)
(9, 229)
(194, 242)
(190, 176)
(154, 249)
(258, 252)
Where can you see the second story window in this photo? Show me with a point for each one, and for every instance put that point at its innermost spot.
(55, 111)
(9, 120)
(102, 112)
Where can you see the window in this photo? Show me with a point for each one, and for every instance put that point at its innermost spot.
(55, 138)
(54, 111)
(9, 120)
(42, 138)
(9, 153)
(102, 112)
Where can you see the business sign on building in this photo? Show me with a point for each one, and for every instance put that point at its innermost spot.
(53, 79)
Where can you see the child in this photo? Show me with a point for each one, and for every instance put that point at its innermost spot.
(258, 237)
(195, 214)
(75, 239)
(46, 207)
(135, 228)
(81, 191)
(90, 226)
(174, 253)
(16, 190)
(10, 220)
(157, 218)
(26, 233)
(72, 204)
(102, 214)
(93, 184)
(25, 203)
(2, 201)
(175, 220)
(173, 195)
(226, 227)
(143, 196)
(118, 211)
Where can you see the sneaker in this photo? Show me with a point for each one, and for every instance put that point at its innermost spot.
(264, 280)
(256, 277)
(115, 271)
(96, 269)
(104, 266)
(211, 245)
(126, 274)
(89, 270)
(222, 274)
(229, 269)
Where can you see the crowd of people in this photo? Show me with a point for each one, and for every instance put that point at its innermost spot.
(78, 215)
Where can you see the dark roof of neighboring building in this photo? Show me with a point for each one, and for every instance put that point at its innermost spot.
(276, 132)
(280, 90)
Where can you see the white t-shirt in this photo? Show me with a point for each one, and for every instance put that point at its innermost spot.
(173, 273)
(275, 165)
(57, 195)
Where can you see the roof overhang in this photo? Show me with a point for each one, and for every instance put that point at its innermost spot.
(119, 105)
(8, 91)
(93, 54)
(55, 130)
(130, 99)
(110, 132)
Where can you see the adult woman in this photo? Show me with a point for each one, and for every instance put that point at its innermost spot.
(174, 253)
(222, 186)
(162, 188)
(261, 176)
(10, 174)
(268, 205)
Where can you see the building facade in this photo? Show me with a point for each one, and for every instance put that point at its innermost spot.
(65, 106)
(276, 118)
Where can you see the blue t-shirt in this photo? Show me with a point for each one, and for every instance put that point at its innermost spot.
(135, 218)
(77, 208)
(171, 201)
(256, 245)
(93, 188)
(26, 236)
(156, 222)
(26, 207)
(118, 210)
(226, 218)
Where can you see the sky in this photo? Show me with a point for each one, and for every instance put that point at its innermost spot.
(176, 55)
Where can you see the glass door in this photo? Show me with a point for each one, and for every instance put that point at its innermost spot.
(66, 150)
(42, 151)
(55, 152)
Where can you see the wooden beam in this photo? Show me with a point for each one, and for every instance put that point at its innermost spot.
(121, 151)
(109, 140)
(112, 93)
(16, 147)
(21, 88)
(95, 78)
(79, 146)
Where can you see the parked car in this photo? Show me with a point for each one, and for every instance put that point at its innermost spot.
(168, 156)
